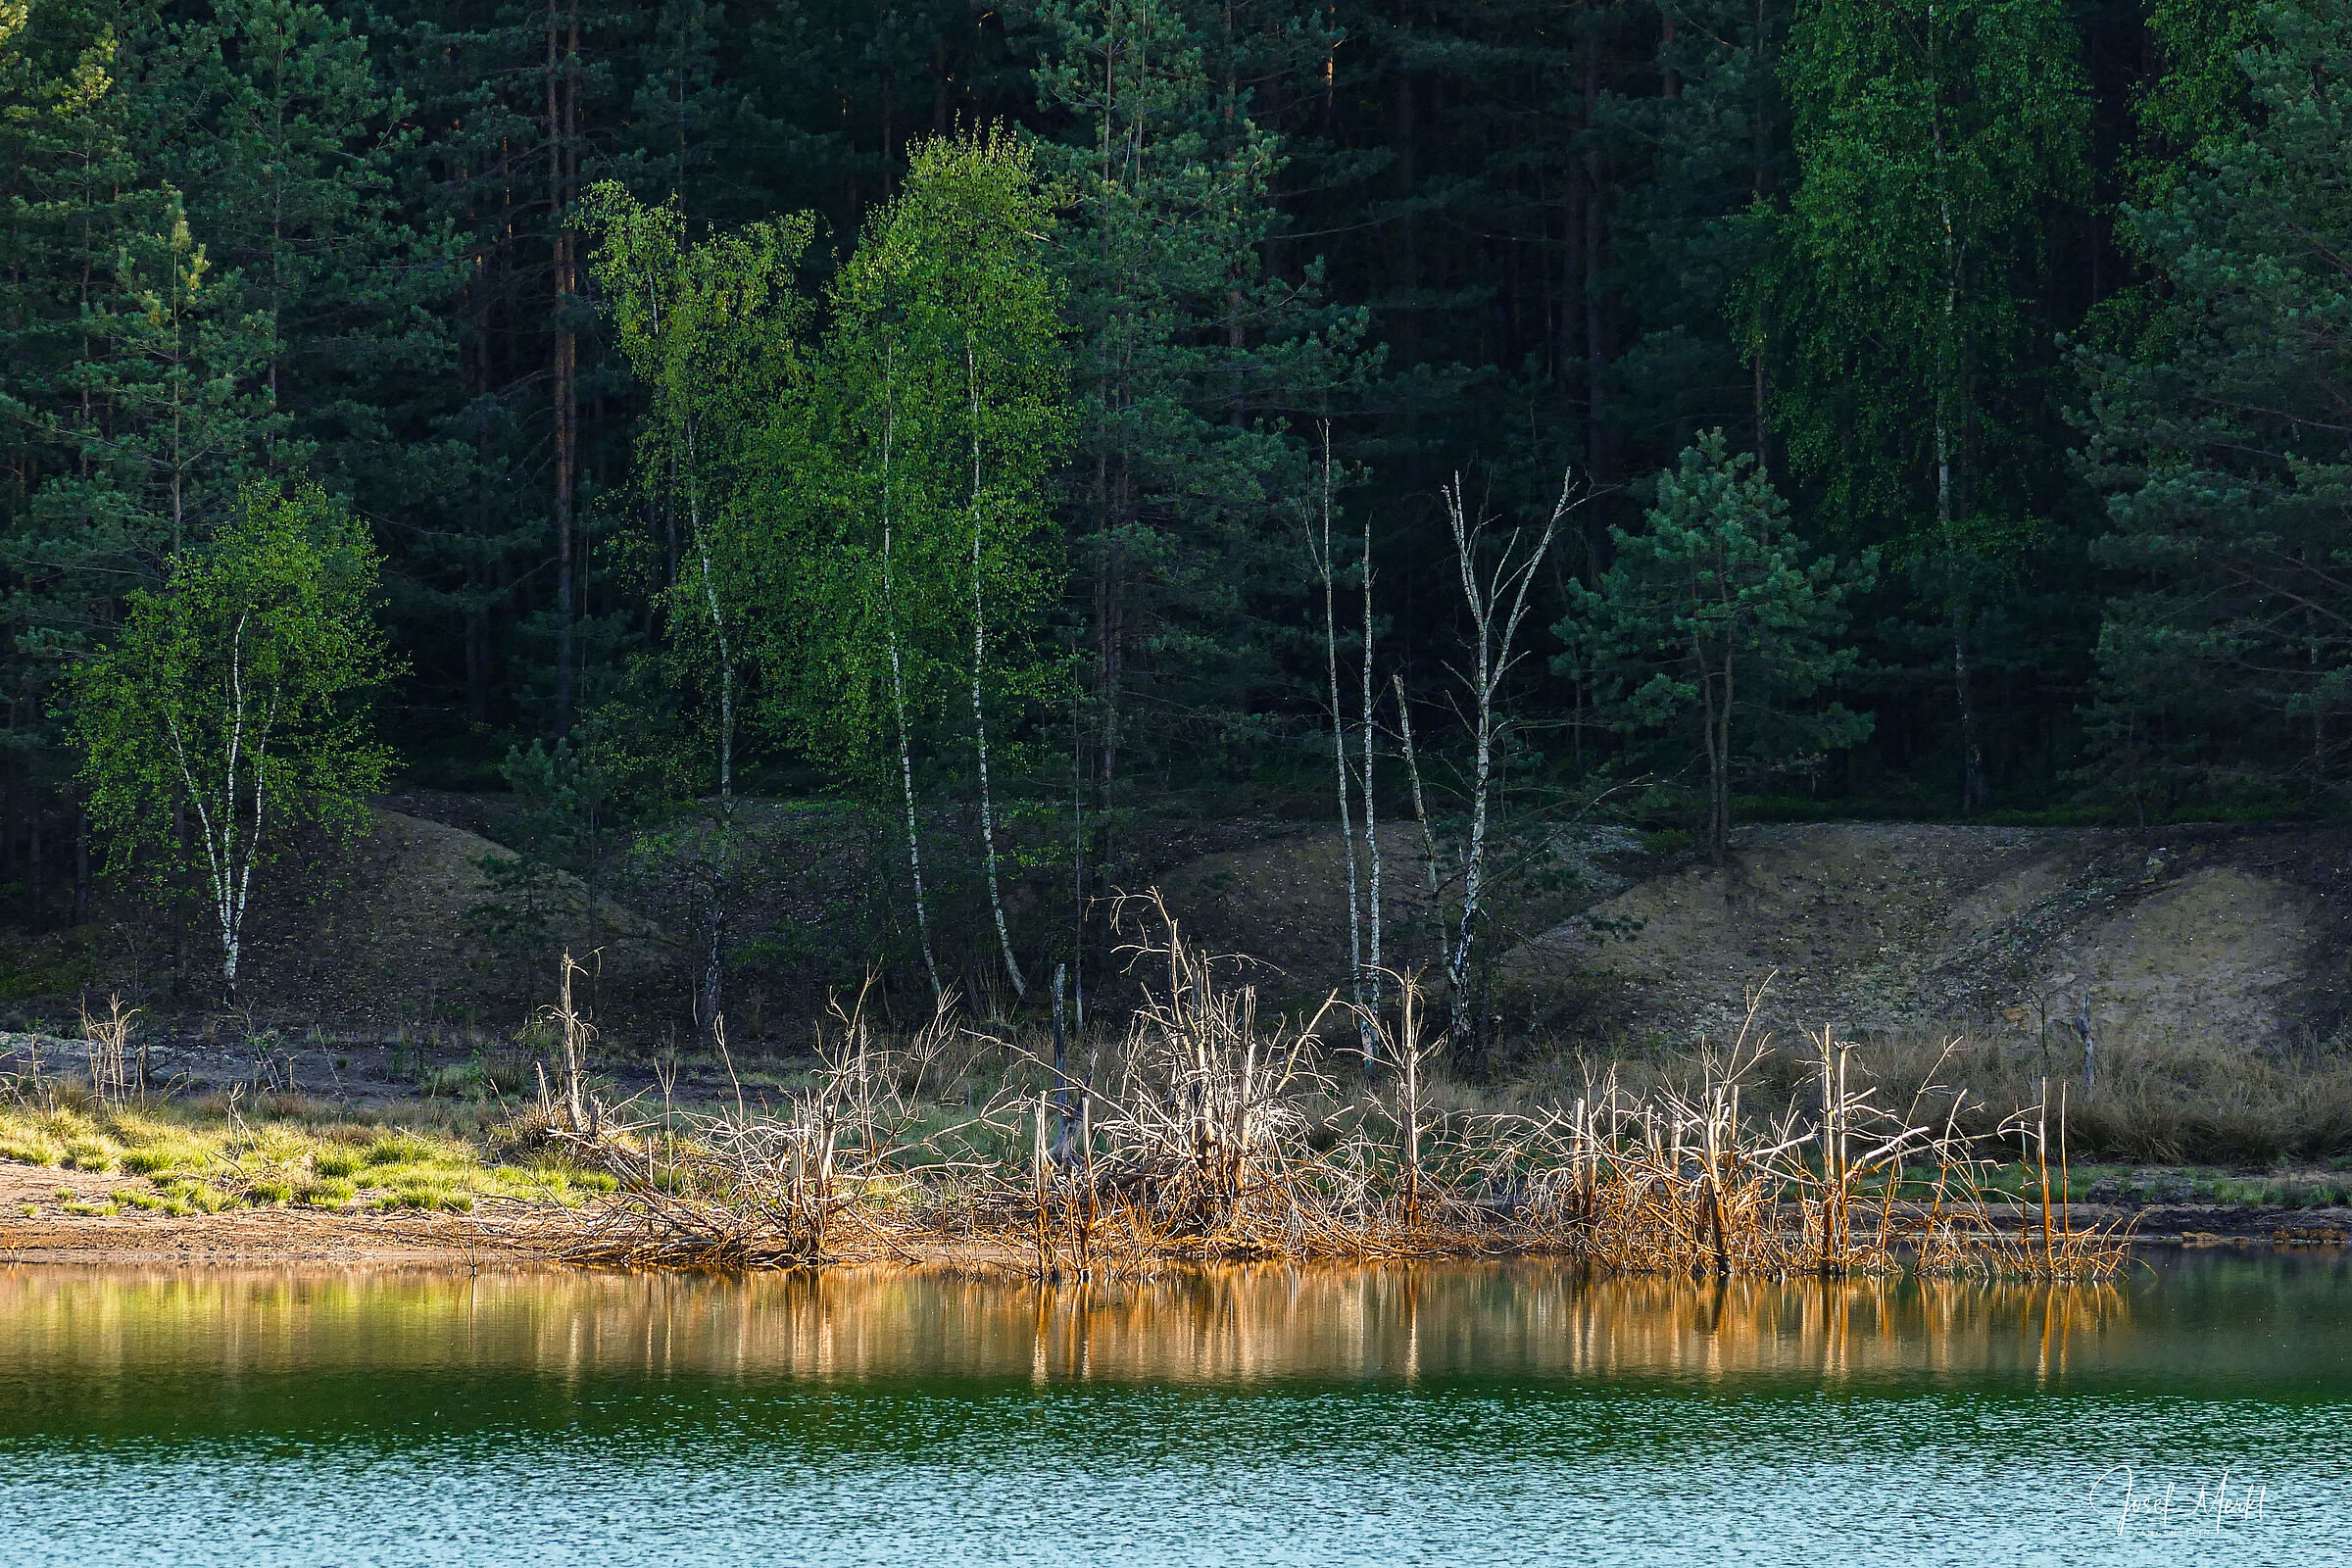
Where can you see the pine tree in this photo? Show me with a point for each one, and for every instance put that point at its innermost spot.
(136, 399)
(1694, 230)
(271, 116)
(2226, 658)
(1189, 486)
(1715, 616)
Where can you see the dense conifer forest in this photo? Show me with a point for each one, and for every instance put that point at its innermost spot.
(1049, 410)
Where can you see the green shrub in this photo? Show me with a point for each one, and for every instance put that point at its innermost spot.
(43, 980)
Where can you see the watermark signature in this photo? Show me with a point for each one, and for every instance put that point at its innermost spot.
(2210, 1500)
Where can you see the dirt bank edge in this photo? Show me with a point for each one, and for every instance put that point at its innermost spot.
(274, 1238)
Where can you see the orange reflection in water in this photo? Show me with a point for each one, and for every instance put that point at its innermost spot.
(1214, 1326)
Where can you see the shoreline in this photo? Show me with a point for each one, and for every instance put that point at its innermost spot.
(511, 1232)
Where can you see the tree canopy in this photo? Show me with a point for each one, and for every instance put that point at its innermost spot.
(924, 409)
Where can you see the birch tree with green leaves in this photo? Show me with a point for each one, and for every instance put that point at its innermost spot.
(711, 328)
(922, 536)
(1934, 138)
(236, 693)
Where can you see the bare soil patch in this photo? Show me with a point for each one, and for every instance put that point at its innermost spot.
(2194, 935)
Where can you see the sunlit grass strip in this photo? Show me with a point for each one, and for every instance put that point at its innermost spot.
(207, 1157)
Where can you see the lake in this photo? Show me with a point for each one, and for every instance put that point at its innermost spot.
(2200, 1412)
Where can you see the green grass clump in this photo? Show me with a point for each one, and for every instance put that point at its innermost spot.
(195, 1198)
(29, 1148)
(283, 1149)
(152, 1146)
(422, 1196)
(42, 980)
(400, 1148)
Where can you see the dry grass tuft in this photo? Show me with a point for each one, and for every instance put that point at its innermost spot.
(1210, 1132)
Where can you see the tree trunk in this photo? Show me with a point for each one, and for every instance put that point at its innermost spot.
(1372, 967)
(34, 868)
(988, 823)
(1339, 756)
(1062, 1069)
(1760, 179)
(1719, 830)
(1429, 833)
(898, 691)
(563, 109)
(1713, 727)
(714, 908)
(1498, 604)
(82, 862)
(1597, 455)
(1974, 792)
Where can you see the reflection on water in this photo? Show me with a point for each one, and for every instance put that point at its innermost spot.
(1457, 1414)
(1221, 1326)
(2189, 1319)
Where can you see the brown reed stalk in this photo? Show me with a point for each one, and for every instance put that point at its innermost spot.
(1221, 1137)
(108, 1049)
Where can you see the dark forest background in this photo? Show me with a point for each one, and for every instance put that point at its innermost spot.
(2039, 302)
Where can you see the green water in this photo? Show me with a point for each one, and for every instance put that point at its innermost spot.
(1454, 1415)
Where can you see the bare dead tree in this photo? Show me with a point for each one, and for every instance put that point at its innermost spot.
(1428, 832)
(1498, 598)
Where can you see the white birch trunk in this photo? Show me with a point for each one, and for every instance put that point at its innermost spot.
(988, 824)
(898, 682)
(1429, 833)
(1510, 580)
(228, 863)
